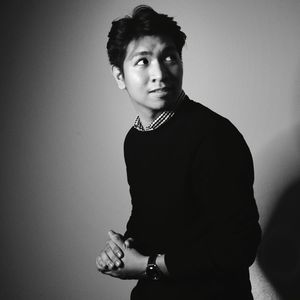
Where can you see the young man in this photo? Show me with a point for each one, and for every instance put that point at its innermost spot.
(193, 230)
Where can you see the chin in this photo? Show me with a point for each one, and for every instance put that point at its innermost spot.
(160, 104)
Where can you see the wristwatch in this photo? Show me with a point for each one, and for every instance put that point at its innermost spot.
(152, 270)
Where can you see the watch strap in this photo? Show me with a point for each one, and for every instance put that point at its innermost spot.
(152, 259)
(152, 271)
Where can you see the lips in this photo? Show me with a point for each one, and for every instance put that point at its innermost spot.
(160, 90)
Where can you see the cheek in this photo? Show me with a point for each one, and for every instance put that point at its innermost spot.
(176, 72)
(139, 80)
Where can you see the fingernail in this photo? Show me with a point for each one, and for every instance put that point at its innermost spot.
(117, 263)
(119, 254)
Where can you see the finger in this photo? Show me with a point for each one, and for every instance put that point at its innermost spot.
(111, 273)
(109, 252)
(106, 260)
(115, 249)
(116, 238)
(100, 264)
(128, 243)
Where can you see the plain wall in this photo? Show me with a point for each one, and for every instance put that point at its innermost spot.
(63, 122)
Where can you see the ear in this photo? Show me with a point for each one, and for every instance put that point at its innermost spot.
(118, 75)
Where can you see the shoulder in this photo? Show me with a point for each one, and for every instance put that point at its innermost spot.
(129, 136)
(216, 135)
(219, 142)
(203, 120)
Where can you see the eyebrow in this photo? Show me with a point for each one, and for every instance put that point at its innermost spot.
(140, 53)
(144, 53)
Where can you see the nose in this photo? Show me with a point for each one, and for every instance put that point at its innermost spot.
(157, 71)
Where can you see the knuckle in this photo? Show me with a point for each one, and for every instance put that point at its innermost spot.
(118, 237)
(117, 263)
(111, 245)
(116, 250)
(110, 265)
(100, 264)
(109, 258)
(103, 255)
(105, 258)
(107, 247)
(111, 253)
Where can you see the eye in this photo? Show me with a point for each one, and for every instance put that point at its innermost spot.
(171, 58)
(142, 62)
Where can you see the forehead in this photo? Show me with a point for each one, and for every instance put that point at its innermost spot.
(150, 44)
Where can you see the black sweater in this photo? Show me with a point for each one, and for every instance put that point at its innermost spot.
(191, 184)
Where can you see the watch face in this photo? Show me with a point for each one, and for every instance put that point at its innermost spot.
(153, 272)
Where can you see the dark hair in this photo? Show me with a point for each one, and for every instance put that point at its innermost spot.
(144, 21)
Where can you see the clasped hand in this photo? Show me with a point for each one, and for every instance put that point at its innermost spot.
(119, 259)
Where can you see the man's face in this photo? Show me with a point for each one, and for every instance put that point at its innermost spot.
(152, 74)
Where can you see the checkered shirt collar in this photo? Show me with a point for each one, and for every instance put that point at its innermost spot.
(161, 119)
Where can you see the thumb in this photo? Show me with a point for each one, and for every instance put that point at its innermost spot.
(128, 243)
(116, 238)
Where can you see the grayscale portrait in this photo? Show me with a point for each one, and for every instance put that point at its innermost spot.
(150, 150)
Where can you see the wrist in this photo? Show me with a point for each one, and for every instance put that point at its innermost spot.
(160, 261)
(153, 272)
(143, 266)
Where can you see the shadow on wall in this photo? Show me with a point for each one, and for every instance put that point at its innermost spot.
(279, 254)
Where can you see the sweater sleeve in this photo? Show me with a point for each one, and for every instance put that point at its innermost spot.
(222, 186)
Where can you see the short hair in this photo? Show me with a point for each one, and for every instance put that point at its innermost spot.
(144, 21)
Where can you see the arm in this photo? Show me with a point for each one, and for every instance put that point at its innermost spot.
(225, 236)
(133, 265)
(222, 185)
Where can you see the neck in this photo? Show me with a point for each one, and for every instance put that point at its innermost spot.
(146, 116)
(146, 120)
